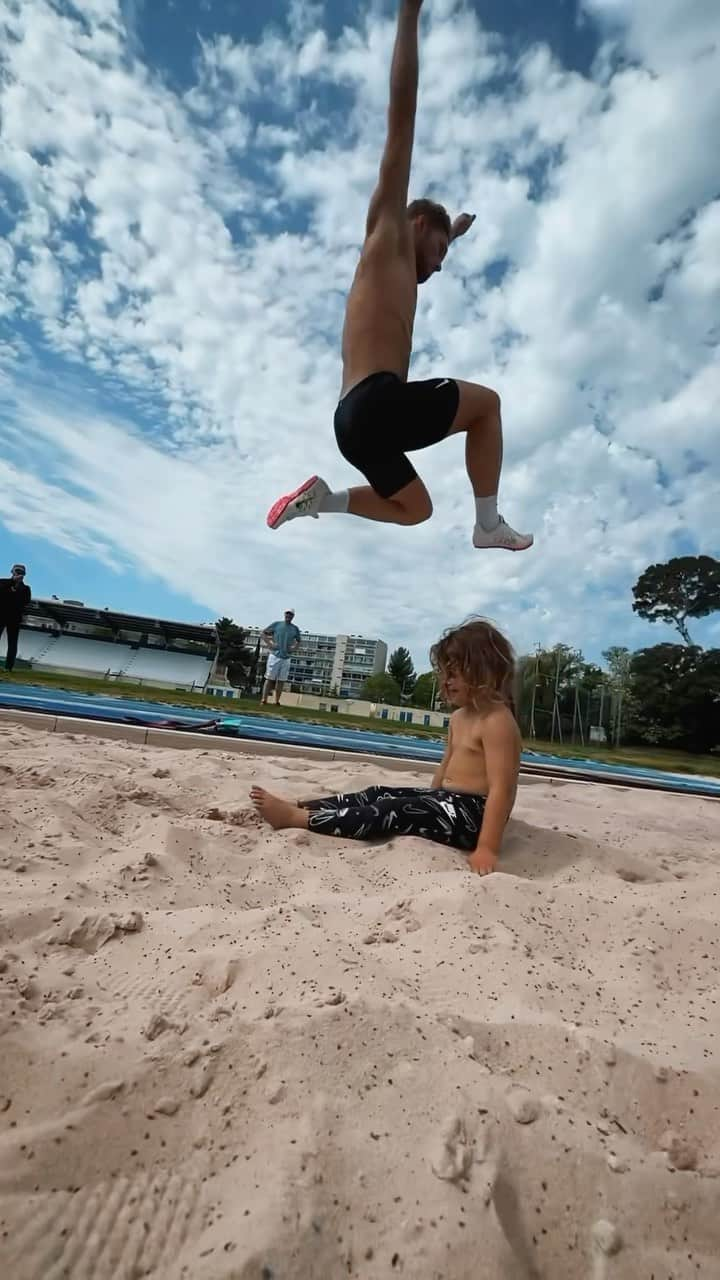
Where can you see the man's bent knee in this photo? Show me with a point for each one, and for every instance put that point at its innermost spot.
(415, 513)
(477, 405)
(413, 503)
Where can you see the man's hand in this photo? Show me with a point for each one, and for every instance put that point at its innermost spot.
(462, 223)
(483, 860)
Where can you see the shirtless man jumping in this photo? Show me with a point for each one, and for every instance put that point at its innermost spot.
(381, 415)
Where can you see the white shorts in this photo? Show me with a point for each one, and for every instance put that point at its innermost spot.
(277, 668)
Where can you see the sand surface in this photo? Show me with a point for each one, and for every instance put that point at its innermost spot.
(230, 1052)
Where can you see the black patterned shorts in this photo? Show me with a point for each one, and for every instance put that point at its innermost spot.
(447, 817)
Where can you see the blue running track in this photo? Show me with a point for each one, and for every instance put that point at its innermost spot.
(330, 737)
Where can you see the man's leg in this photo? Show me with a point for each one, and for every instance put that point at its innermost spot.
(12, 644)
(278, 691)
(419, 416)
(267, 690)
(478, 415)
(409, 504)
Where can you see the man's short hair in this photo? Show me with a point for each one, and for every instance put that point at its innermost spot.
(436, 214)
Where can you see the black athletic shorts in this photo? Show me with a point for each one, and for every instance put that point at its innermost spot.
(382, 418)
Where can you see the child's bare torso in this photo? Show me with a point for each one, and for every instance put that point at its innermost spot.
(466, 769)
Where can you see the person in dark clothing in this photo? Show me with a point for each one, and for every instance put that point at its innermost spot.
(14, 599)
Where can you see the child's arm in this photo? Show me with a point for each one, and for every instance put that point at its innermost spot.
(439, 774)
(501, 744)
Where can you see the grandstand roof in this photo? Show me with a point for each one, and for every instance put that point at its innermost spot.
(64, 611)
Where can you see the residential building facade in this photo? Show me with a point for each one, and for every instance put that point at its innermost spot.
(372, 710)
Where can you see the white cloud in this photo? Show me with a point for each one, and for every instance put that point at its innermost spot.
(192, 251)
(663, 33)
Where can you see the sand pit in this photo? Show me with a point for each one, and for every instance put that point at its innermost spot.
(229, 1052)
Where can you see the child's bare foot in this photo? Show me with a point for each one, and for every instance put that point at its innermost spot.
(277, 812)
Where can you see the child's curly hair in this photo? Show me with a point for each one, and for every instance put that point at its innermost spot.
(484, 658)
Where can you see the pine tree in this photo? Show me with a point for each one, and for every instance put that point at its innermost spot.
(401, 668)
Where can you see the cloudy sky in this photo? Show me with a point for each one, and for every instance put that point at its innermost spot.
(182, 194)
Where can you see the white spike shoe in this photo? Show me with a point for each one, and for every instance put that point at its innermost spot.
(501, 536)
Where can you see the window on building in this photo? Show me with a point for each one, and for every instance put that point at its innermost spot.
(384, 713)
(446, 722)
(426, 721)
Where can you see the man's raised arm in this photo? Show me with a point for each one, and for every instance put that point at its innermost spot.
(390, 195)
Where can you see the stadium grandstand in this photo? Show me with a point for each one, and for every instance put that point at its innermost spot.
(70, 637)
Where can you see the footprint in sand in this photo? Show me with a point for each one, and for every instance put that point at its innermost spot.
(402, 912)
(126, 1226)
(154, 1007)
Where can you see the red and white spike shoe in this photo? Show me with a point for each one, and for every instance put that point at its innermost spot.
(304, 501)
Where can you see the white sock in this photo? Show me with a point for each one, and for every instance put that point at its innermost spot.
(336, 501)
(487, 513)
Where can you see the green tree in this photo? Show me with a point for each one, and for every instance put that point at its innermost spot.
(591, 677)
(618, 710)
(545, 666)
(540, 672)
(252, 678)
(686, 587)
(675, 696)
(401, 668)
(618, 660)
(426, 687)
(233, 655)
(382, 688)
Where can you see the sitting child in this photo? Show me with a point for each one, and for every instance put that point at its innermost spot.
(473, 789)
